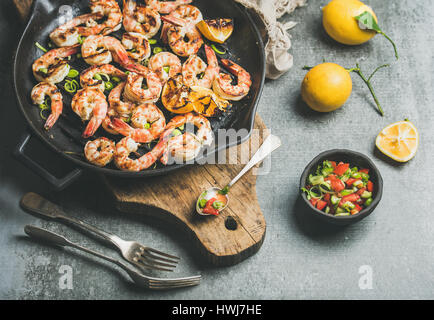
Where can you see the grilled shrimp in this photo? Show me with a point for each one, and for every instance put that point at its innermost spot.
(94, 50)
(223, 86)
(195, 66)
(90, 104)
(204, 132)
(147, 123)
(108, 9)
(181, 148)
(165, 7)
(137, 46)
(53, 66)
(99, 151)
(68, 33)
(138, 91)
(87, 77)
(126, 146)
(183, 39)
(140, 19)
(39, 92)
(165, 65)
(117, 108)
(123, 108)
(190, 14)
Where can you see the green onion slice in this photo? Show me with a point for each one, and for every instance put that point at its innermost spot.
(157, 50)
(108, 85)
(37, 44)
(73, 73)
(217, 50)
(152, 41)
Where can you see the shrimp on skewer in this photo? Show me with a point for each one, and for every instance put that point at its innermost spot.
(89, 78)
(147, 123)
(140, 19)
(190, 14)
(137, 45)
(105, 8)
(90, 104)
(195, 66)
(165, 65)
(126, 146)
(53, 66)
(165, 7)
(182, 38)
(99, 151)
(39, 92)
(223, 86)
(143, 89)
(68, 33)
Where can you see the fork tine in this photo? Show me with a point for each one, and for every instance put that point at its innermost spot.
(142, 264)
(168, 284)
(155, 263)
(162, 253)
(156, 257)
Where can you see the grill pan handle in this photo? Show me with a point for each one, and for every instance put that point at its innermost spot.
(57, 183)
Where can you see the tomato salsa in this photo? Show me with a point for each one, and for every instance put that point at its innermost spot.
(212, 203)
(338, 189)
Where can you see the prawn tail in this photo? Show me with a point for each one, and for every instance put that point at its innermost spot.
(91, 127)
(51, 120)
(173, 20)
(120, 126)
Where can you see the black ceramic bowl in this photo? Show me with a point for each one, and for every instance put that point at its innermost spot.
(354, 159)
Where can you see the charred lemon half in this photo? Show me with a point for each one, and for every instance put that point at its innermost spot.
(206, 102)
(217, 30)
(175, 96)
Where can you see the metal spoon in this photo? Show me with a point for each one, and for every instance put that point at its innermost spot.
(270, 144)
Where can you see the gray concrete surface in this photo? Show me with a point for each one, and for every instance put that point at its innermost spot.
(298, 260)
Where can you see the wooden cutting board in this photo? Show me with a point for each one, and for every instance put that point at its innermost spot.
(234, 235)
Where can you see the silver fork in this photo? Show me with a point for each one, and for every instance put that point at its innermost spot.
(141, 256)
(138, 278)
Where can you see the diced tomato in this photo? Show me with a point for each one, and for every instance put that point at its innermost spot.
(370, 186)
(341, 168)
(361, 191)
(351, 198)
(209, 208)
(327, 197)
(321, 204)
(364, 171)
(313, 201)
(333, 164)
(350, 181)
(337, 185)
(356, 210)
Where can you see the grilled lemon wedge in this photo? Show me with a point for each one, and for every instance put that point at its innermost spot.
(217, 30)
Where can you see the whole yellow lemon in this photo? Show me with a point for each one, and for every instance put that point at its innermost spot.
(326, 87)
(340, 23)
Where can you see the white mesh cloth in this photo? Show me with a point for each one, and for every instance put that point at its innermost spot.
(278, 42)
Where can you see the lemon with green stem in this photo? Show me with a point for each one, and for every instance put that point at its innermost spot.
(351, 22)
(328, 86)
